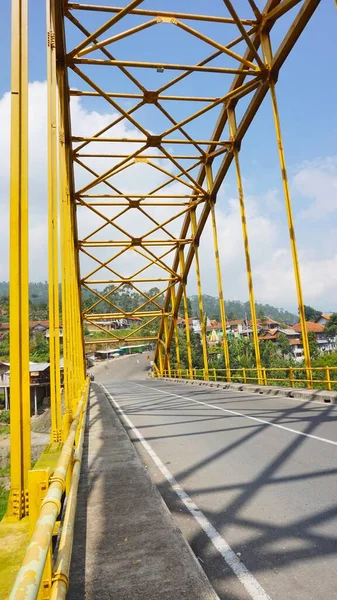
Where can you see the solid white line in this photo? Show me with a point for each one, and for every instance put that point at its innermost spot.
(248, 580)
(239, 414)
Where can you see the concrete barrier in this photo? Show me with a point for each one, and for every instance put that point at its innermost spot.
(323, 396)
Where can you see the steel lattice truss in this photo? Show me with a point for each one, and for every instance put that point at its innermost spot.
(147, 178)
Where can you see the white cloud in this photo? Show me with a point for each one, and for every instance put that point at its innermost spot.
(315, 182)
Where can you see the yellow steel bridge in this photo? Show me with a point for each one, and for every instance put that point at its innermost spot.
(128, 204)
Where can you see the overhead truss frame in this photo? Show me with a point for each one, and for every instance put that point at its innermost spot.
(199, 172)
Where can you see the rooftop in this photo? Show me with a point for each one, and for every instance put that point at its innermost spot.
(312, 327)
(32, 324)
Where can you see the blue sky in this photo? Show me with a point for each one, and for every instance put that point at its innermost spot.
(307, 91)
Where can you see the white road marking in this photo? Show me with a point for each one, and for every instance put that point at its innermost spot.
(239, 414)
(248, 580)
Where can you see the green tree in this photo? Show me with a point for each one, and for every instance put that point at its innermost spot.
(330, 329)
(311, 314)
(4, 348)
(269, 354)
(283, 345)
(39, 348)
(261, 314)
(241, 352)
(313, 346)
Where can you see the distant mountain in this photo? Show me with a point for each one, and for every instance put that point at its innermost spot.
(241, 310)
(38, 295)
(38, 292)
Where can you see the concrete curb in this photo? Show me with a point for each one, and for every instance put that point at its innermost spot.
(298, 393)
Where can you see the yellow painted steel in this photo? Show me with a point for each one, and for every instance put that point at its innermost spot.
(233, 128)
(321, 378)
(186, 316)
(221, 296)
(19, 304)
(29, 577)
(60, 581)
(296, 267)
(199, 288)
(167, 354)
(176, 335)
(53, 234)
(267, 52)
(74, 358)
(169, 244)
(160, 358)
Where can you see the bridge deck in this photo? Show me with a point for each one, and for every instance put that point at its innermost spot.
(261, 469)
(126, 544)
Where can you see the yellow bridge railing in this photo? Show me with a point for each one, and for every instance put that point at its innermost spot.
(295, 377)
(37, 572)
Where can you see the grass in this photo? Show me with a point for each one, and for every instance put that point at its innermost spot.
(4, 421)
(4, 471)
(4, 416)
(4, 493)
(100, 335)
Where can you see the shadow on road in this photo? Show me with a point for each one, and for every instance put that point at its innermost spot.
(273, 541)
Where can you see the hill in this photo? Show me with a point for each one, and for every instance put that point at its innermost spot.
(241, 310)
(38, 297)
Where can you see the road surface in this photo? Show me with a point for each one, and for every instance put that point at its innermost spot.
(250, 480)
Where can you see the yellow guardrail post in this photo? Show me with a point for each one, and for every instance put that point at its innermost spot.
(244, 375)
(327, 378)
(265, 381)
(291, 377)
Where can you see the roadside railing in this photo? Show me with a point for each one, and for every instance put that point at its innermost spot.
(37, 565)
(324, 378)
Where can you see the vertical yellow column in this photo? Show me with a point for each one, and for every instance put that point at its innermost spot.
(65, 271)
(221, 297)
(160, 359)
(186, 317)
(232, 129)
(176, 336)
(20, 452)
(167, 351)
(219, 278)
(267, 52)
(201, 308)
(292, 237)
(53, 256)
(220, 294)
(177, 348)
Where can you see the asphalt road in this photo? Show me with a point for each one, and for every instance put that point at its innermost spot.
(250, 480)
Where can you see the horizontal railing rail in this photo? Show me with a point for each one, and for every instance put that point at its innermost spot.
(66, 474)
(295, 377)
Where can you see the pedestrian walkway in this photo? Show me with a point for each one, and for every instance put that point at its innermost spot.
(126, 545)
